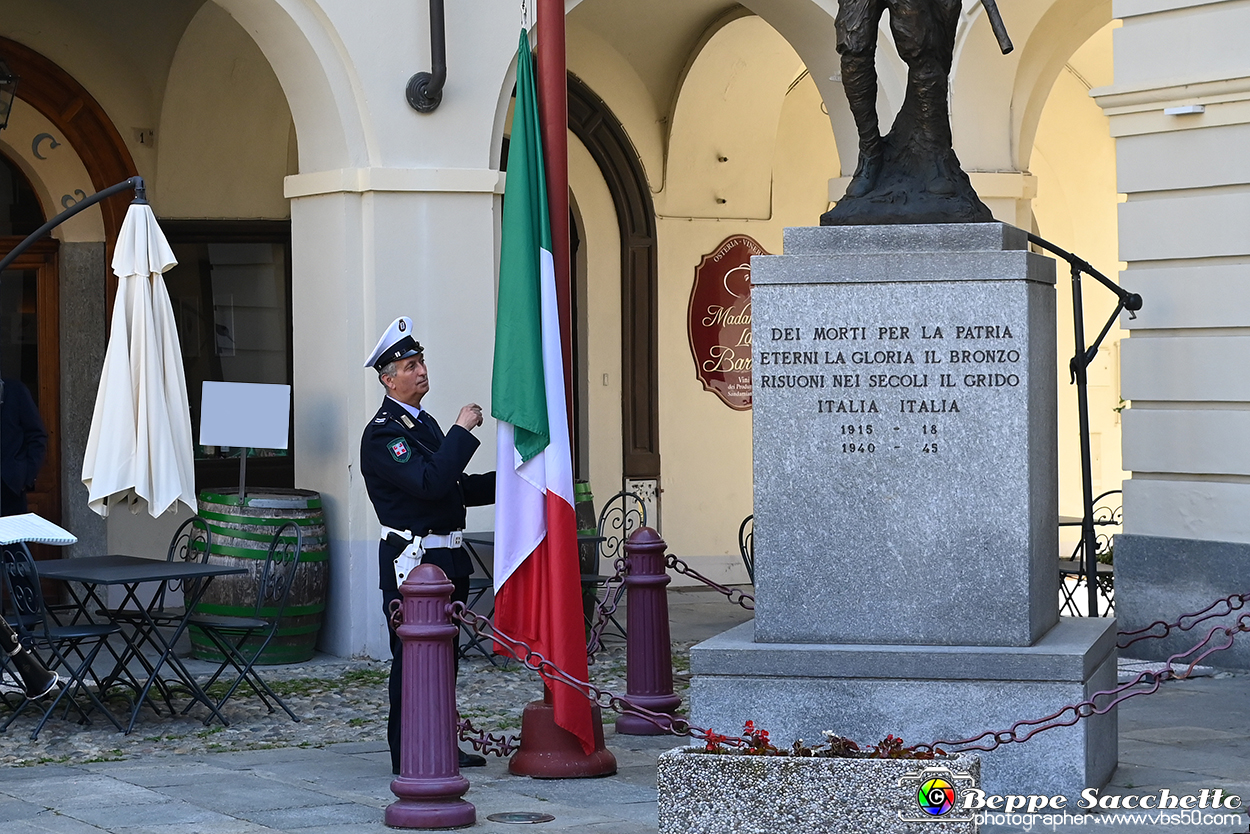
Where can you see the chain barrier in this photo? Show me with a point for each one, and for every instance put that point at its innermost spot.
(1232, 603)
(487, 743)
(735, 595)
(1022, 731)
(606, 600)
(1100, 703)
(533, 660)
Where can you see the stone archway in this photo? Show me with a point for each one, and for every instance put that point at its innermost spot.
(75, 284)
(602, 133)
(67, 104)
(321, 87)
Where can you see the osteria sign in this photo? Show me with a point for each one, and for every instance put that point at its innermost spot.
(719, 320)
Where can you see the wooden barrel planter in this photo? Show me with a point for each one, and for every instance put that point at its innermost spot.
(241, 537)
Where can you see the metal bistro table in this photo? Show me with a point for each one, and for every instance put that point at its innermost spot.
(130, 572)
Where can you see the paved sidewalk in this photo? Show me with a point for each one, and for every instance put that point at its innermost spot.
(1189, 736)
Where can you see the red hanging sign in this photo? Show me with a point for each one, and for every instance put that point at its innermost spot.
(719, 321)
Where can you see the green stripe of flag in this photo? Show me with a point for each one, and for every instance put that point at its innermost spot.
(517, 388)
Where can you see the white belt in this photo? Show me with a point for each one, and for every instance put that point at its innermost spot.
(451, 540)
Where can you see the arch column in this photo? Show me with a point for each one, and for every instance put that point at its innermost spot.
(369, 245)
(1180, 114)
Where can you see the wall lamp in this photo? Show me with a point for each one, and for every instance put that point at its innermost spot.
(8, 86)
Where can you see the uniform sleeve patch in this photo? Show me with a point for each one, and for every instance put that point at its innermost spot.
(399, 449)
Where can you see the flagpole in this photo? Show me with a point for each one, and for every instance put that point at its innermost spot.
(553, 116)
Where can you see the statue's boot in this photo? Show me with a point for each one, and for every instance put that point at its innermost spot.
(867, 172)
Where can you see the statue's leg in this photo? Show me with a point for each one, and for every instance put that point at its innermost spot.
(924, 31)
(856, 26)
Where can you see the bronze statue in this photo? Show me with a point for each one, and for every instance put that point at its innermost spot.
(910, 175)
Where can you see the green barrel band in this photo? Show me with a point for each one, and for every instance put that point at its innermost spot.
(305, 557)
(230, 533)
(311, 500)
(248, 610)
(263, 521)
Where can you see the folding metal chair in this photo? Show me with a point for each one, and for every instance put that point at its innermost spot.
(241, 640)
(192, 542)
(1108, 518)
(10, 687)
(479, 584)
(746, 544)
(621, 515)
(70, 648)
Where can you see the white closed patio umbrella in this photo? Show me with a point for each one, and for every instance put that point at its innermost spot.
(140, 440)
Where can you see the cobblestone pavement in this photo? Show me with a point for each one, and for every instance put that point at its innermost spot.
(337, 700)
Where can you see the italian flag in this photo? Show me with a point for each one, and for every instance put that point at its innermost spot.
(538, 596)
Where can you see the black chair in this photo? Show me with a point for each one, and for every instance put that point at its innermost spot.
(242, 639)
(746, 544)
(192, 542)
(68, 650)
(10, 686)
(621, 515)
(480, 583)
(1108, 520)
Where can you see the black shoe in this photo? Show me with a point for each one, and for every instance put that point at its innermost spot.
(472, 760)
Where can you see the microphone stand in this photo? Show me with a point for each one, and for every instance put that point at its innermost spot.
(1078, 366)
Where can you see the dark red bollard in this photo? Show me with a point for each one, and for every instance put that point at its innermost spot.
(648, 648)
(429, 785)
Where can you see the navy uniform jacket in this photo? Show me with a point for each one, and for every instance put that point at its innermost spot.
(415, 479)
(23, 439)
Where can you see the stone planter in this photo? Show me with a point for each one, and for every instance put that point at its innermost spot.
(705, 793)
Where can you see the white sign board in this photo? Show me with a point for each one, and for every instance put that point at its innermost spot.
(245, 415)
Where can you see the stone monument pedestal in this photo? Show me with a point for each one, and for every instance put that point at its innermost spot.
(923, 693)
(906, 507)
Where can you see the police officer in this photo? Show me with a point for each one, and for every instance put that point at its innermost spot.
(415, 478)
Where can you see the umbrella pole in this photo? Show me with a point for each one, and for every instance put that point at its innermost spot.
(134, 182)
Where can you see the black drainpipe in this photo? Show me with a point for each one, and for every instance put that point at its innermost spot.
(425, 90)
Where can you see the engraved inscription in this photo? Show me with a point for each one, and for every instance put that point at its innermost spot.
(914, 380)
